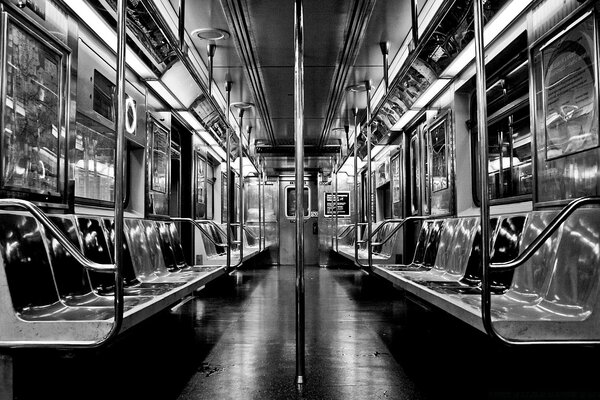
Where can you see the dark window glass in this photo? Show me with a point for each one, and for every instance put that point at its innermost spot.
(509, 132)
(104, 92)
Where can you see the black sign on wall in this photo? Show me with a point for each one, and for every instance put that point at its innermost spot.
(343, 204)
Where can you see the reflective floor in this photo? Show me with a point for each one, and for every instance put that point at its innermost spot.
(364, 340)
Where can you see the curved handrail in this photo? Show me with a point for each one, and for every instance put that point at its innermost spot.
(486, 309)
(546, 233)
(213, 223)
(346, 231)
(400, 222)
(198, 224)
(41, 217)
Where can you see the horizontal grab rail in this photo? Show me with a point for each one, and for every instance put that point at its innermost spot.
(546, 233)
(198, 225)
(213, 223)
(41, 217)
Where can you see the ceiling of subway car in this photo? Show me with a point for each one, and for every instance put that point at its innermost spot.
(341, 47)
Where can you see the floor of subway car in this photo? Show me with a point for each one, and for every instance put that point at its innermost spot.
(364, 340)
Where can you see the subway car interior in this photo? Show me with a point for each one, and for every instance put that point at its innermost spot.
(445, 243)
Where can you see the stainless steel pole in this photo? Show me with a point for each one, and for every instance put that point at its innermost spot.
(483, 164)
(356, 196)
(260, 214)
(299, 139)
(120, 156)
(369, 183)
(241, 197)
(336, 205)
(264, 208)
(227, 173)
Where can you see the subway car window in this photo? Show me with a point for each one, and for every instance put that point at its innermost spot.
(509, 133)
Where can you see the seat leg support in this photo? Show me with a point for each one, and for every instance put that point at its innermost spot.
(6, 377)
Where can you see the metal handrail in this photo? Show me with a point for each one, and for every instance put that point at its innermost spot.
(546, 233)
(558, 220)
(41, 217)
(198, 224)
(346, 231)
(213, 223)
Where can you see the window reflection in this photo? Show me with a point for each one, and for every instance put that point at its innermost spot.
(32, 119)
(94, 164)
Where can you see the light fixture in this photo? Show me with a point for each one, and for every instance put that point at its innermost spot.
(210, 33)
(357, 88)
(241, 106)
(97, 25)
(405, 119)
(181, 83)
(376, 150)
(165, 93)
(191, 120)
(431, 92)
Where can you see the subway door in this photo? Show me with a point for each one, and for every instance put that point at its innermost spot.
(287, 223)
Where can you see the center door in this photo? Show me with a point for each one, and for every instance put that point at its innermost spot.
(287, 221)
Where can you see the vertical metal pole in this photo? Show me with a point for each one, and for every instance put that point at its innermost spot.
(181, 24)
(241, 196)
(227, 174)
(211, 48)
(335, 182)
(415, 21)
(483, 164)
(120, 131)
(299, 140)
(260, 214)
(264, 239)
(385, 51)
(356, 196)
(369, 183)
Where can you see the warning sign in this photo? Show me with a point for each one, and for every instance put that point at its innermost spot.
(343, 204)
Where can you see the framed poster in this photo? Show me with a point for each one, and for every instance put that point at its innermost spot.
(160, 161)
(224, 197)
(439, 156)
(32, 127)
(200, 164)
(569, 89)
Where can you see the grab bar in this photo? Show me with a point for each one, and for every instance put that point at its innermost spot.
(41, 217)
(198, 224)
(486, 301)
(546, 233)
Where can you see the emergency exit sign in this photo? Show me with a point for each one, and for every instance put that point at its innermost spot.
(343, 204)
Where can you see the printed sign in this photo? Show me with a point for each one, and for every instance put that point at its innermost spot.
(343, 204)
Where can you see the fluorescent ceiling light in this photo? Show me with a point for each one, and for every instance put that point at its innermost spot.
(96, 24)
(207, 137)
(376, 150)
(165, 93)
(190, 119)
(219, 151)
(431, 92)
(405, 119)
(179, 80)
